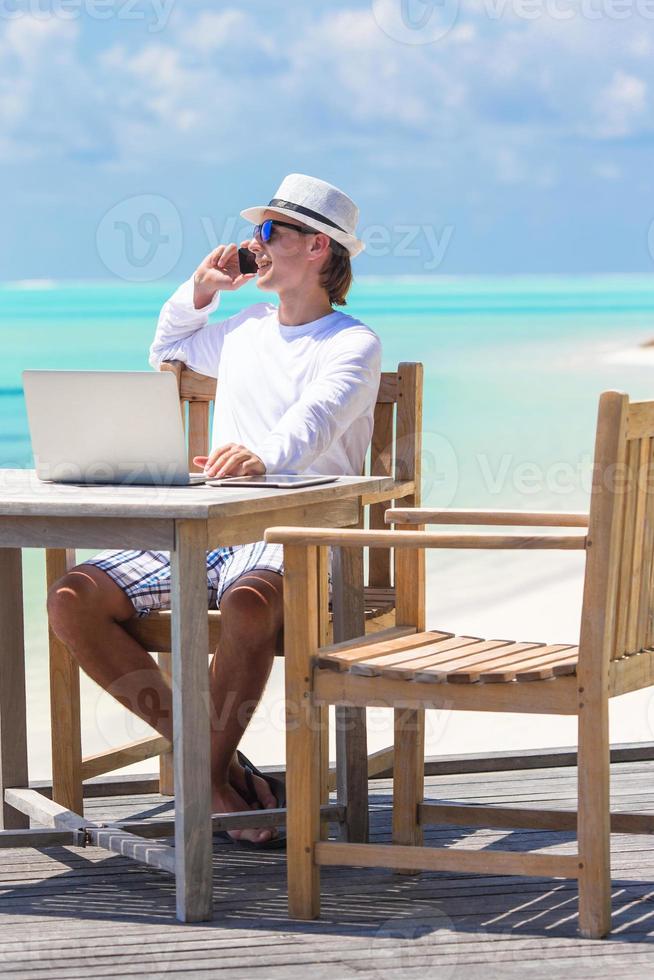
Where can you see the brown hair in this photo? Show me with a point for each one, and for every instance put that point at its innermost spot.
(336, 274)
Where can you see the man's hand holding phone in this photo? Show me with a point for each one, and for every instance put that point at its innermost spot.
(220, 270)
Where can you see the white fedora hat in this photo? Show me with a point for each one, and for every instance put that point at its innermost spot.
(316, 204)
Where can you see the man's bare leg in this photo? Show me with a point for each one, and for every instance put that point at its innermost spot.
(252, 615)
(86, 609)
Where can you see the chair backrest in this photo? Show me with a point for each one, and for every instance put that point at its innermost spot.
(395, 447)
(618, 608)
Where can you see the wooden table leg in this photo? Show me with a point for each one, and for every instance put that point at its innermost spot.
(190, 641)
(65, 715)
(324, 638)
(13, 723)
(351, 734)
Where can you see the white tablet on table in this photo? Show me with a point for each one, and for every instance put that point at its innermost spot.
(282, 481)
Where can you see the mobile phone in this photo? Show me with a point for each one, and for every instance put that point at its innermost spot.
(247, 261)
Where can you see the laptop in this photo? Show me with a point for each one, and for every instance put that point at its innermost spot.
(107, 427)
(119, 428)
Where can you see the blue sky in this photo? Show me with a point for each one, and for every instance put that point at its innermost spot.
(494, 136)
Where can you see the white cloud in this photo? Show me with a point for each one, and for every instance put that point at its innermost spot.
(607, 170)
(38, 117)
(211, 30)
(509, 167)
(464, 34)
(620, 105)
(31, 38)
(499, 87)
(641, 46)
(346, 63)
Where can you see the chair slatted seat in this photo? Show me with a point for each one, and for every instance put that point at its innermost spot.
(343, 656)
(437, 657)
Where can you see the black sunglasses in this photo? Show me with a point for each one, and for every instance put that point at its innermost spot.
(264, 231)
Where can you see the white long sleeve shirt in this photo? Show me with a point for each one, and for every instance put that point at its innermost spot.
(301, 397)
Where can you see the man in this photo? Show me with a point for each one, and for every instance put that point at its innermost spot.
(297, 386)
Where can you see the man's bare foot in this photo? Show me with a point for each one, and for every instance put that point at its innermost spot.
(225, 799)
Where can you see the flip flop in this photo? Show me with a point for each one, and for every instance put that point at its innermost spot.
(277, 786)
(278, 790)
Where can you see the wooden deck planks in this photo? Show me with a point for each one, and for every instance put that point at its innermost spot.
(70, 912)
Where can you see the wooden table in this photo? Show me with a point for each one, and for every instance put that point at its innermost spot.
(186, 521)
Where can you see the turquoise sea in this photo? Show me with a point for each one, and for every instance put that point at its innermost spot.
(513, 368)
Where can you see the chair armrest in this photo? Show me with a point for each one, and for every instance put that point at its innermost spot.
(174, 366)
(400, 489)
(192, 385)
(505, 518)
(419, 539)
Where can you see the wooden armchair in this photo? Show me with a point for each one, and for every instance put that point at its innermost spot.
(411, 669)
(395, 449)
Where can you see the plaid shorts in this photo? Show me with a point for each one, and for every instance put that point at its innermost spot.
(145, 575)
